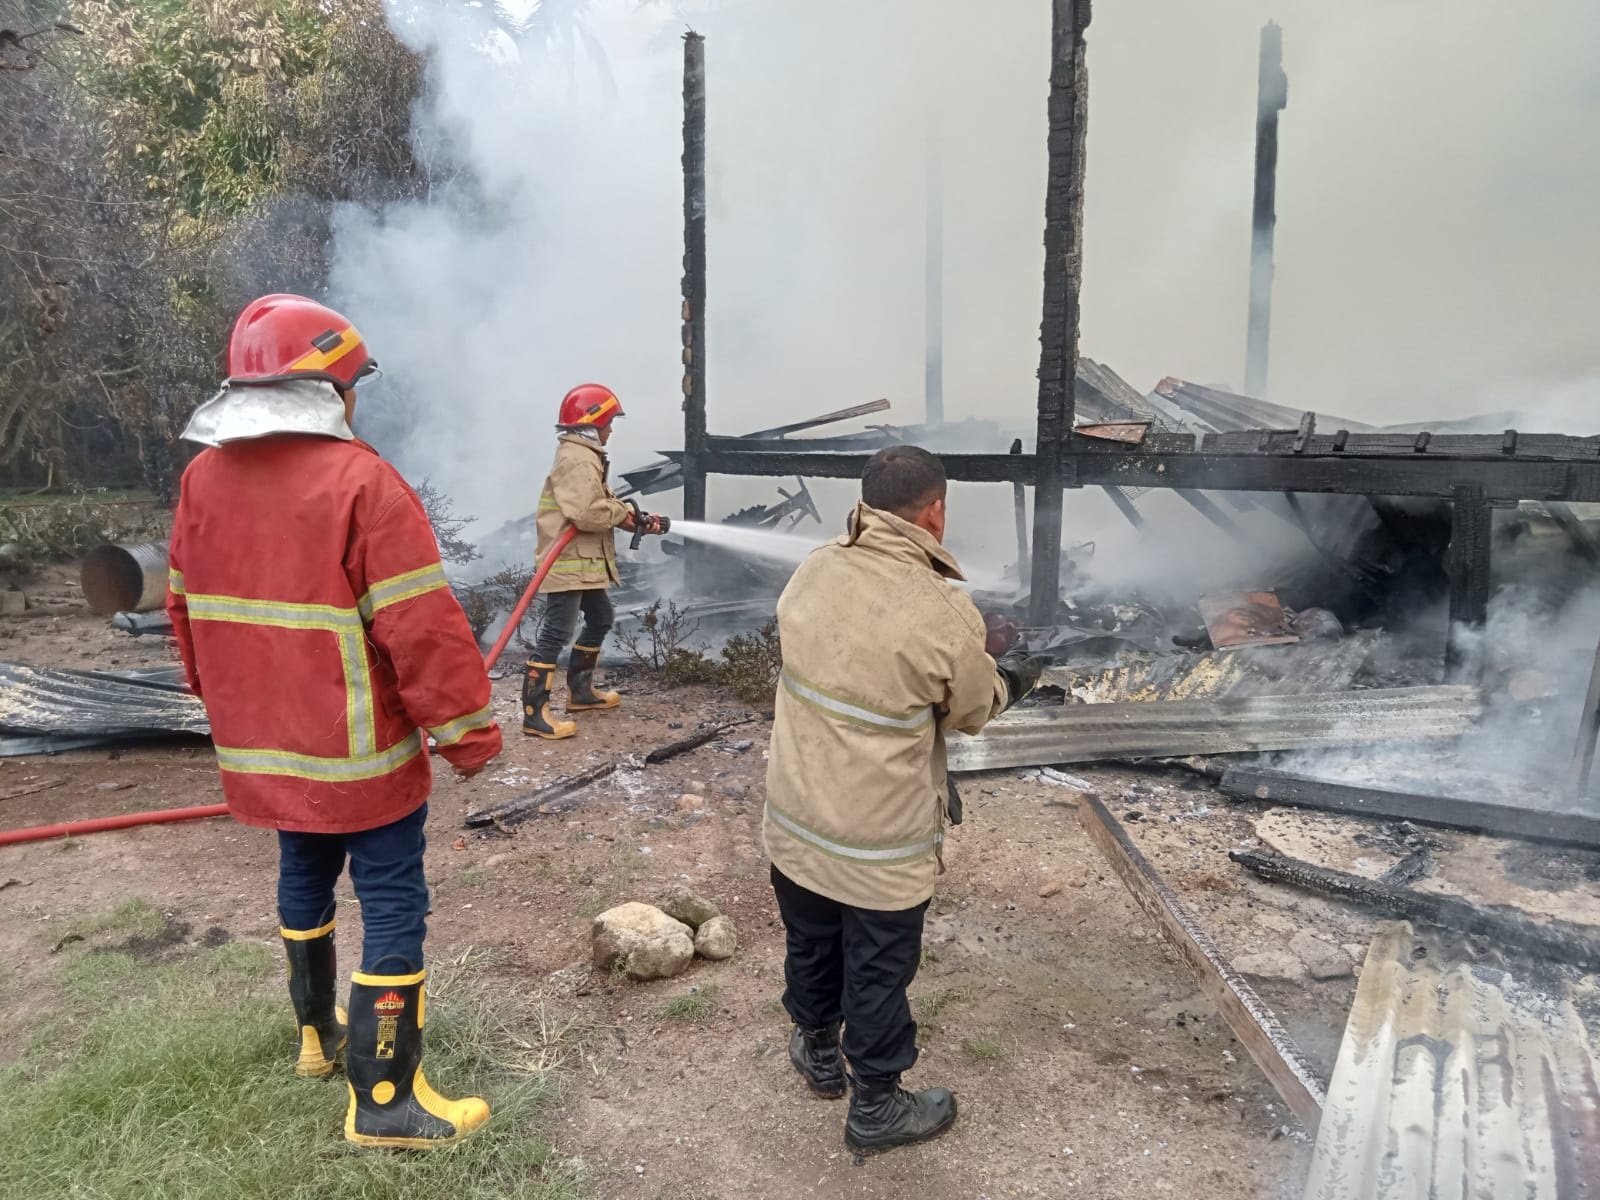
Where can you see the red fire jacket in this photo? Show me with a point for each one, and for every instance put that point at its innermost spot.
(315, 621)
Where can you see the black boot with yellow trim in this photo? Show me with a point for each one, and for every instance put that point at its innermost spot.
(581, 696)
(537, 719)
(391, 1103)
(313, 980)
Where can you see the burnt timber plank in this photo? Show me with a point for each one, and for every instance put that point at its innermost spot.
(1560, 941)
(1077, 733)
(1588, 730)
(1447, 812)
(1252, 1022)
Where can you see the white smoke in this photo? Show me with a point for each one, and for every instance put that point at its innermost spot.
(1435, 247)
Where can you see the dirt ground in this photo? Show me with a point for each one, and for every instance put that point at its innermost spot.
(1084, 1058)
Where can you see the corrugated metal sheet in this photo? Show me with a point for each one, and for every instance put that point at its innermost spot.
(1462, 1079)
(95, 707)
(1077, 733)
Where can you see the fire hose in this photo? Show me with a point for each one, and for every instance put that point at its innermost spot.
(642, 525)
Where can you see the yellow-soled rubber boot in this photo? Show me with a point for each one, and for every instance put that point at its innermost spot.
(581, 696)
(391, 1103)
(537, 719)
(313, 979)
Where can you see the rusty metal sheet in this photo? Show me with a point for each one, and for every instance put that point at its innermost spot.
(1129, 432)
(1462, 1077)
(1245, 619)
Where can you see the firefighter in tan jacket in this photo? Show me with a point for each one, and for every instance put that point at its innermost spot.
(577, 492)
(881, 655)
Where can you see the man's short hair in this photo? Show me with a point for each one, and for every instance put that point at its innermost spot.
(903, 480)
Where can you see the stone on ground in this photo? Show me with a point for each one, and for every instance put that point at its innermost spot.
(716, 939)
(681, 904)
(646, 942)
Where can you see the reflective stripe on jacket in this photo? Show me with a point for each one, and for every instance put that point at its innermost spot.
(881, 654)
(315, 620)
(576, 493)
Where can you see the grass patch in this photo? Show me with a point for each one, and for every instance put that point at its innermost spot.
(693, 1006)
(984, 1049)
(935, 1002)
(173, 1080)
(135, 918)
(929, 957)
(474, 877)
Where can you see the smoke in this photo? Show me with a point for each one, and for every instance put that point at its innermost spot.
(1435, 252)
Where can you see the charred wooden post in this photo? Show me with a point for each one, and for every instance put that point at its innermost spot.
(694, 283)
(1019, 501)
(1467, 563)
(1272, 97)
(933, 286)
(1063, 279)
(1582, 768)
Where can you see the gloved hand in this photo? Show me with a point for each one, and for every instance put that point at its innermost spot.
(655, 523)
(1021, 672)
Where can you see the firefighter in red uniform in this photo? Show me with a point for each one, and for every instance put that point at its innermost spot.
(315, 621)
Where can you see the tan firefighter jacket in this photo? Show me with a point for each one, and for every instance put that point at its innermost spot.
(881, 654)
(576, 493)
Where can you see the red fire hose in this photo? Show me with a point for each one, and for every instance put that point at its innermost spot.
(39, 833)
(500, 643)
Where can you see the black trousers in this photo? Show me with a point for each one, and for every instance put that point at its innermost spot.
(852, 964)
(560, 622)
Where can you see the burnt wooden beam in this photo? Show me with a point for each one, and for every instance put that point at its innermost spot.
(1272, 97)
(1578, 536)
(1434, 475)
(1209, 509)
(1126, 507)
(1063, 279)
(1253, 1023)
(1467, 565)
(694, 279)
(1445, 812)
(1510, 929)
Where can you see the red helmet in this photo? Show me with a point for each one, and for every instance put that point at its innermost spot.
(290, 337)
(589, 404)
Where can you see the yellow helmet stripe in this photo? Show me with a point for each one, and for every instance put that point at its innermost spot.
(321, 360)
(600, 410)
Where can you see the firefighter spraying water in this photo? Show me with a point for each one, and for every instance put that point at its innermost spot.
(577, 496)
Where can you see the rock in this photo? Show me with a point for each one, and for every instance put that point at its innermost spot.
(1323, 960)
(716, 939)
(1049, 889)
(1271, 964)
(644, 940)
(689, 802)
(13, 603)
(1325, 969)
(683, 905)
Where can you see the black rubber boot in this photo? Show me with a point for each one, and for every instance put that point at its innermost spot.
(885, 1115)
(313, 980)
(581, 696)
(391, 1103)
(537, 719)
(815, 1054)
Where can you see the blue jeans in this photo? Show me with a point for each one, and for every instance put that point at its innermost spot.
(386, 869)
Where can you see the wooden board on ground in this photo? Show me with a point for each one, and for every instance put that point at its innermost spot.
(1252, 1022)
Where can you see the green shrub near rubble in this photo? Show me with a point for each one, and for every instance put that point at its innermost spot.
(749, 664)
